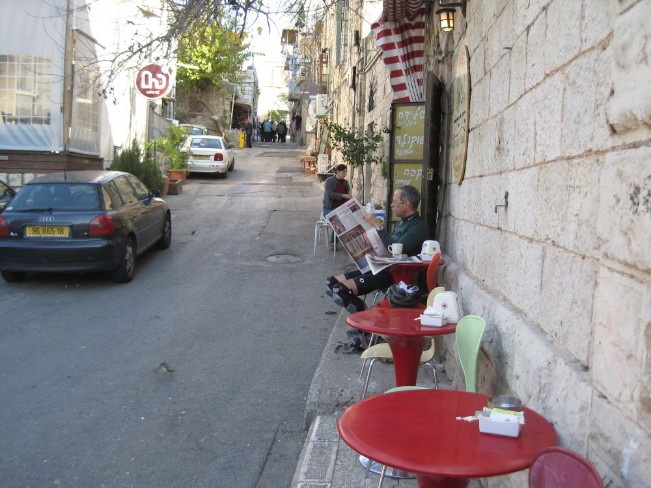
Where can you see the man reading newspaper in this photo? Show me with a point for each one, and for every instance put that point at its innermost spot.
(410, 231)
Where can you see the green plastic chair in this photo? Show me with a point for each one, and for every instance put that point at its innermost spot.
(470, 330)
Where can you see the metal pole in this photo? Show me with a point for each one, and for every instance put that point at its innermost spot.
(68, 81)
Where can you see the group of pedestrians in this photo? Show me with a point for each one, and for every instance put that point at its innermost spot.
(274, 132)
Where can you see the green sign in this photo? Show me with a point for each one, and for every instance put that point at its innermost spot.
(408, 134)
(407, 174)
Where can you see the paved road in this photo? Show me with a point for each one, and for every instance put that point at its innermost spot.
(82, 399)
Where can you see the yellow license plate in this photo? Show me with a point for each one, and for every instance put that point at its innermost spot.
(48, 231)
(199, 156)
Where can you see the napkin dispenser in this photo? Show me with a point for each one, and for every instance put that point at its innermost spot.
(429, 250)
(500, 422)
(432, 318)
(447, 303)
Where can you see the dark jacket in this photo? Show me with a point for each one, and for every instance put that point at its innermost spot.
(330, 194)
(410, 232)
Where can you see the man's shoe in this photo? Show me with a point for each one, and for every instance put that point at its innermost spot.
(355, 304)
(329, 285)
(341, 295)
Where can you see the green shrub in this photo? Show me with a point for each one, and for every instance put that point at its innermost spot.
(170, 146)
(131, 161)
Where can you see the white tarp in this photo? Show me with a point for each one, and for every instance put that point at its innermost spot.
(32, 39)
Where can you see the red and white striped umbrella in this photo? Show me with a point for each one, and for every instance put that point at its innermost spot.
(400, 34)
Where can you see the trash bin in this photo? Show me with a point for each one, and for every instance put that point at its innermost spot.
(242, 139)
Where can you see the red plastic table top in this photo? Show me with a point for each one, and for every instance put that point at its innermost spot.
(417, 431)
(396, 321)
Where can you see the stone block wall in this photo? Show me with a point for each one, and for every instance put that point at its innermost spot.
(561, 120)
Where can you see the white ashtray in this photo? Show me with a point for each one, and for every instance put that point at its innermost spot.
(433, 320)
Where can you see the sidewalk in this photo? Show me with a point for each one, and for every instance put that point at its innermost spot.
(326, 461)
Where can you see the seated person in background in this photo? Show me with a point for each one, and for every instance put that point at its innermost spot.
(410, 231)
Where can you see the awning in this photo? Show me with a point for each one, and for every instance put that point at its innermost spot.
(398, 10)
(402, 42)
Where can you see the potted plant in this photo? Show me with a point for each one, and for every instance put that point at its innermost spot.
(171, 146)
(356, 149)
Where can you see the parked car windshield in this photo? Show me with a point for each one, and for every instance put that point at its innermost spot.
(199, 142)
(57, 196)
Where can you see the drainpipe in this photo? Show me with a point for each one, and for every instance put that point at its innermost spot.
(68, 81)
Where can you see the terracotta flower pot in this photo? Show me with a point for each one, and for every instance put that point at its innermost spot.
(177, 174)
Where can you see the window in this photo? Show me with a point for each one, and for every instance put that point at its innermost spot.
(342, 32)
(139, 187)
(111, 197)
(86, 103)
(127, 194)
(25, 89)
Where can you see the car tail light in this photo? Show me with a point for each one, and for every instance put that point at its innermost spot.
(4, 226)
(219, 157)
(101, 225)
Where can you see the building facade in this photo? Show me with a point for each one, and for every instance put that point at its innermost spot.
(546, 223)
(67, 83)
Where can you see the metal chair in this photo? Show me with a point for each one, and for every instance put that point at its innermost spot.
(557, 467)
(468, 334)
(322, 223)
(383, 351)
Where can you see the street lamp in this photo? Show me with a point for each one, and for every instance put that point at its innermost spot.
(446, 14)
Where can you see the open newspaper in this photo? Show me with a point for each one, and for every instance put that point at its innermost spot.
(378, 263)
(360, 239)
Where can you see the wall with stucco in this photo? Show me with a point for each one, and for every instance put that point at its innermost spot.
(560, 118)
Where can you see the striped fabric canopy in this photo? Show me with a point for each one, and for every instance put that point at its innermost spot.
(400, 33)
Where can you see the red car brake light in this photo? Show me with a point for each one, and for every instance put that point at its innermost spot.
(4, 226)
(218, 157)
(101, 225)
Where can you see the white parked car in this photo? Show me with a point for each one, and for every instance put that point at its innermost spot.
(209, 154)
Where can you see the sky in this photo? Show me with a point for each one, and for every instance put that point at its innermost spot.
(269, 60)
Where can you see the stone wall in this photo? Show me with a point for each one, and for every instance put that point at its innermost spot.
(561, 120)
(376, 85)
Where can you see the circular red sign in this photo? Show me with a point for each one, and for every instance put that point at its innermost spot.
(152, 82)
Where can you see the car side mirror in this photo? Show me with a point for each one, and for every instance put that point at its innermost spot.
(155, 193)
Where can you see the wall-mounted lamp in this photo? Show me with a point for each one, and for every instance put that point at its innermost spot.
(446, 14)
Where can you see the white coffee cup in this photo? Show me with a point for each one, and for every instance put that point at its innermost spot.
(396, 249)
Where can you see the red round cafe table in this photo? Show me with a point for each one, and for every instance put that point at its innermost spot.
(418, 431)
(404, 334)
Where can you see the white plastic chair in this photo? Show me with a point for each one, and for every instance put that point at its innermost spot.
(322, 223)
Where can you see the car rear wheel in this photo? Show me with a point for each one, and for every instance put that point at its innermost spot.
(127, 268)
(166, 238)
(13, 276)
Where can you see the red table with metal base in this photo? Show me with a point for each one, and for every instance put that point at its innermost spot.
(404, 334)
(418, 431)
